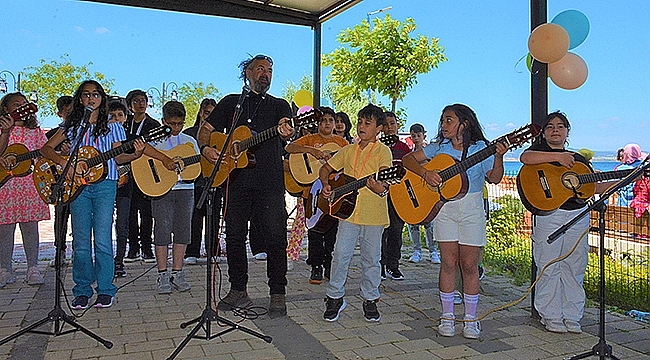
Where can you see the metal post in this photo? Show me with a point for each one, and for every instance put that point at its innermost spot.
(317, 63)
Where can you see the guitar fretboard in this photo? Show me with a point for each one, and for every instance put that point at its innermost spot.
(602, 176)
(105, 156)
(348, 188)
(28, 156)
(470, 161)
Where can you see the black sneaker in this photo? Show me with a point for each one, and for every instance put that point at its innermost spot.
(316, 275)
(394, 274)
(333, 308)
(383, 272)
(481, 272)
(119, 270)
(148, 257)
(104, 301)
(370, 311)
(80, 302)
(327, 273)
(132, 257)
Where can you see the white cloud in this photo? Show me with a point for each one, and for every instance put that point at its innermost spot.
(510, 125)
(492, 127)
(102, 31)
(79, 29)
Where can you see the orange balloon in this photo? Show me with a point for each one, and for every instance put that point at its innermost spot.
(548, 43)
(568, 73)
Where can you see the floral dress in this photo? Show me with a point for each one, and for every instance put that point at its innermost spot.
(20, 201)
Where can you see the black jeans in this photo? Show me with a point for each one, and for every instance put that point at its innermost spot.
(122, 209)
(198, 217)
(268, 208)
(320, 247)
(391, 239)
(140, 233)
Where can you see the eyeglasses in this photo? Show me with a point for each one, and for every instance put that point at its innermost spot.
(175, 123)
(94, 95)
(139, 101)
(262, 57)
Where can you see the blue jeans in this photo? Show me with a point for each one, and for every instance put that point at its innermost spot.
(369, 237)
(92, 213)
(414, 233)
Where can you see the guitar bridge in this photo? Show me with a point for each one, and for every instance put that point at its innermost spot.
(307, 165)
(152, 166)
(411, 192)
(544, 183)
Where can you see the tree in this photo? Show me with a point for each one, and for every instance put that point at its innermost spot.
(53, 78)
(385, 59)
(191, 95)
(290, 88)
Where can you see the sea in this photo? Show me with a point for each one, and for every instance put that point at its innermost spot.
(511, 168)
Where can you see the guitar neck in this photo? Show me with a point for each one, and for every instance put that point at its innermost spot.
(348, 188)
(28, 155)
(191, 159)
(105, 156)
(472, 160)
(602, 176)
(259, 138)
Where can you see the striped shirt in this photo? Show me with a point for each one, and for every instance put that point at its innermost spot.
(103, 144)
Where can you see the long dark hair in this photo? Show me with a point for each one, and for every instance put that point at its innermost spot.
(555, 114)
(73, 121)
(473, 131)
(348, 125)
(205, 102)
(30, 122)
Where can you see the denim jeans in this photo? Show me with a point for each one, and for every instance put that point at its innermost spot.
(414, 233)
(122, 209)
(369, 237)
(92, 213)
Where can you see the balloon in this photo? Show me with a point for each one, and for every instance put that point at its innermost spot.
(548, 43)
(576, 25)
(529, 62)
(304, 109)
(569, 73)
(302, 98)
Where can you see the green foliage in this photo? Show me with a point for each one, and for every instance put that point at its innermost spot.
(290, 88)
(385, 59)
(191, 95)
(54, 78)
(508, 250)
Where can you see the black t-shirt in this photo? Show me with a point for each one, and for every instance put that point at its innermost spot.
(259, 113)
(573, 203)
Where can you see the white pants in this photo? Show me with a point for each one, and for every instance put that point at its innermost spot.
(559, 293)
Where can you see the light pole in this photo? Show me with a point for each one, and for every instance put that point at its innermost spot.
(162, 94)
(370, 27)
(3, 81)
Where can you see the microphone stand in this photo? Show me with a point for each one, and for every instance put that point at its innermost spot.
(57, 315)
(602, 349)
(209, 314)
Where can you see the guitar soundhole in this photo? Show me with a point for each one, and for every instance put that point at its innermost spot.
(234, 150)
(570, 181)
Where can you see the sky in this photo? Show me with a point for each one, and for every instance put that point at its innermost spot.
(483, 40)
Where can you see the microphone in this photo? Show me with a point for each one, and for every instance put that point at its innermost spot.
(245, 90)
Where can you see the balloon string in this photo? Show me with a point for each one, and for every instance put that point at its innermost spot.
(517, 63)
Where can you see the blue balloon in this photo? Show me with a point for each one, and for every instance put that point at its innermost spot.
(575, 23)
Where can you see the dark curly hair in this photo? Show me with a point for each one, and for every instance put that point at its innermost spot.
(30, 122)
(74, 119)
(472, 133)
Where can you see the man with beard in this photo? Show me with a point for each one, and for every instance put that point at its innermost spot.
(256, 192)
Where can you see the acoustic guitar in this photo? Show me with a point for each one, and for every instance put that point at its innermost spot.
(240, 149)
(155, 180)
(305, 166)
(416, 202)
(543, 188)
(290, 184)
(17, 154)
(123, 174)
(46, 172)
(323, 213)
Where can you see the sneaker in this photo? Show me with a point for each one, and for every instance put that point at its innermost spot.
(235, 299)
(481, 272)
(458, 298)
(289, 264)
(573, 326)
(394, 274)
(383, 272)
(333, 308)
(80, 302)
(316, 275)
(472, 329)
(447, 327)
(64, 261)
(178, 281)
(104, 301)
(370, 312)
(554, 325)
(416, 257)
(260, 256)
(164, 283)
(327, 272)
(149, 258)
(34, 276)
(202, 260)
(190, 260)
(277, 306)
(434, 256)
(120, 272)
(132, 257)
(6, 277)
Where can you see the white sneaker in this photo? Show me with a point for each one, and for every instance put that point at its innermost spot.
(190, 260)
(573, 326)
(289, 264)
(472, 329)
(260, 256)
(34, 276)
(6, 277)
(434, 257)
(416, 257)
(447, 327)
